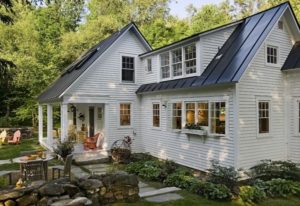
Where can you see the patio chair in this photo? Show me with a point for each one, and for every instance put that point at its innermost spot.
(3, 137)
(94, 142)
(16, 138)
(33, 170)
(66, 168)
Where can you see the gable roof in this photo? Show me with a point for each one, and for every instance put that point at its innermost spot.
(233, 58)
(293, 60)
(79, 66)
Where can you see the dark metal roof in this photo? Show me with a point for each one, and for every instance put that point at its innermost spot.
(233, 58)
(293, 60)
(74, 70)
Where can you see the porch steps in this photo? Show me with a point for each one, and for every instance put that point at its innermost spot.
(159, 191)
(90, 158)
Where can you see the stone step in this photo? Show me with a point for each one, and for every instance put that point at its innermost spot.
(146, 189)
(90, 161)
(159, 191)
(164, 198)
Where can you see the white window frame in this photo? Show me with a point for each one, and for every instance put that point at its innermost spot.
(274, 45)
(172, 116)
(297, 116)
(184, 60)
(121, 68)
(156, 102)
(147, 65)
(160, 67)
(226, 118)
(119, 115)
(263, 99)
(176, 63)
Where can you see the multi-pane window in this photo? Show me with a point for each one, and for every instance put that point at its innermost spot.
(125, 113)
(177, 116)
(156, 115)
(149, 65)
(272, 55)
(190, 113)
(127, 69)
(263, 117)
(217, 117)
(190, 59)
(299, 116)
(177, 62)
(203, 113)
(165, 65)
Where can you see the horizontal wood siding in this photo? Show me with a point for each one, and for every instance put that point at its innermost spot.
(264, 82)
(103, 79)
(194, 151)
(293, 79)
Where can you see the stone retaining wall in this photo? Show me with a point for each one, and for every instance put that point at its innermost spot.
(26, 132)
(92, 190)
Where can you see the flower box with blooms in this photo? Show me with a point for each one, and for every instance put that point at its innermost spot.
(194, 129)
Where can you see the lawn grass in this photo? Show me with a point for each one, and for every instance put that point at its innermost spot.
(195, 200)
(12, 151)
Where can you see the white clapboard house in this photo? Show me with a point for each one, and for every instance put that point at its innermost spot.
(240, 82)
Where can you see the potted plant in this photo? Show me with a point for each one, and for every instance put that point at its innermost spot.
(63, 149)
(121, 150)
(195, 129)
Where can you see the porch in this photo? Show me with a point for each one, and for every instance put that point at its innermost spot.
(72, 122)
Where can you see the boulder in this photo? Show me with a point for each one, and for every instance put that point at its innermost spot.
(80, 201)
(43, 202)
(11, 195)
(61, 202)
(51, 190)
(91, 184)
(10, 203)
(71, 189)
(30, 199)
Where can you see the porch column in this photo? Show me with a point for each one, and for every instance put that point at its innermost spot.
(49, 124)
(64, 121)
(40, 122)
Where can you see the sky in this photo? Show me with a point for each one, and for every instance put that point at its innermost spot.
(178, 7)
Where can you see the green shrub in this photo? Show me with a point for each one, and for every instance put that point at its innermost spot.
(227, 176)
(252, 194)
(134, 167)
(138, 157)
(63, 149)
(268, 170)
(212, 191)
(3, 182)
(180, 180)
(281, 188)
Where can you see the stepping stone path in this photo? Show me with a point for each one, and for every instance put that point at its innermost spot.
(164, 198)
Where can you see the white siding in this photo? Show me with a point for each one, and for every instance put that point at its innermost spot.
(103, 79)
(293, 78)
(194, 151)
(261, 81)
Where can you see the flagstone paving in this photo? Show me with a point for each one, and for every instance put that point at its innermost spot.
(164, 198)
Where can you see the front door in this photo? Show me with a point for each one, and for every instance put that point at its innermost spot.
(91, 121)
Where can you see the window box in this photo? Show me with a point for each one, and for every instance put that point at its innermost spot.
(194, 132)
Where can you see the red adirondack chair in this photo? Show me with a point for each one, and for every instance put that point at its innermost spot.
(16, 138)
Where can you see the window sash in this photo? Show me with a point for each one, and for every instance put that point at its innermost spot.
(203, 111)
(165, 65)
(177, 62)
(218, 117)
(190, 111)
(125, 114)
(299, 117)
(177, 116)
(149, 65)
(127, 69)
(263, 117)
(272, 54)
(156, 115)
(190, 59)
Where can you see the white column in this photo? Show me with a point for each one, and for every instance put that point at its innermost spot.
(106, 126)
(49, 124)
(64, 121)
(40, 122)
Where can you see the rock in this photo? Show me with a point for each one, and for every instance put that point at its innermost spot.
(102, 191)
(30, 199)
(80, 201)
(71, 189)
(51, 190)
(109, 195)
(10, 203)
(79, 194)
(37, 184)
(91, 184)
(11, 195)
(1, 204)
(126, 179)
(61, 202)
(43, 202)
(64, 197)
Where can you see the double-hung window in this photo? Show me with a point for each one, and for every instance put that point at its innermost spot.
(127, 69)
(217, 117)
(190, 113)
(177, 116)
(156, 114)
(165, 65)
(149, 65)
(177, 62)
(190, 59)
(203, 113)
(125, 114)
(298, 115)
(272, 55)
(263, 117)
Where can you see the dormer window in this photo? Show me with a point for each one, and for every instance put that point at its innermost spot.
(177, 62)
(190, 59)
(272, 55)
(165, 65)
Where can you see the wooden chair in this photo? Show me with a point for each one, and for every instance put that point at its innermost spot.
(66, 168)
(16, 138)
(3, 137)
(33, 170)
(91, 142)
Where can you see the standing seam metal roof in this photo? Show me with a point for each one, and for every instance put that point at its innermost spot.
(293, 60)
(233, 58)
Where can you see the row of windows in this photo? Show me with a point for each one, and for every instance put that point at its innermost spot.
(178, 64)
(212, 115)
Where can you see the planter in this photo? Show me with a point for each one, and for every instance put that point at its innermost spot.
(120, 155)
(194, 132)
